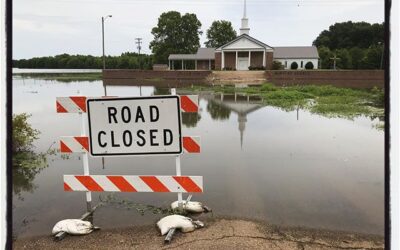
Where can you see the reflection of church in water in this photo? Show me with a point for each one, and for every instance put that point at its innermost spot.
(238, 103)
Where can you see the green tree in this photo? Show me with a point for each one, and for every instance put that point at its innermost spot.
(345, 59)
(372, 58)
(357, 56)
(349, 35)
(325, 54)
(175, 34)
(277, 65)
(220, 33)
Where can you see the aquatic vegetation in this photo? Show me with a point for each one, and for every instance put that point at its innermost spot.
(140, 208)
(26, 165)
(324, 100)
(63, 77)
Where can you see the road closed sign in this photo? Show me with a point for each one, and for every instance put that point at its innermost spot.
(134, 126)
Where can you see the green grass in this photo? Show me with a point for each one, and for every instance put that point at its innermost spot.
(63, 77)
(324, 100)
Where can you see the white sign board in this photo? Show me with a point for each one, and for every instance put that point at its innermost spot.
(134, 126)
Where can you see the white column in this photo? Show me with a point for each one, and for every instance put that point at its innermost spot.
(249, 58)
(264, 59)
(222, 60)
(236, 60)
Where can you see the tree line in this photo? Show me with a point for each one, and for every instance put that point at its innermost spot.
(65, 61)
(356, 45)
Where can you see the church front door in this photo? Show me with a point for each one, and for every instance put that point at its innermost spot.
(243, 63)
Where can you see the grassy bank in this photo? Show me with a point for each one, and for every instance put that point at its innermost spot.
(324, 100)
(63, 77)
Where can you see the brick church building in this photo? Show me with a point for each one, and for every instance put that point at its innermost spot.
(246, 52)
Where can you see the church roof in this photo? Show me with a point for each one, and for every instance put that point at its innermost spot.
(247, 37)
(202, 54)
(296, 52)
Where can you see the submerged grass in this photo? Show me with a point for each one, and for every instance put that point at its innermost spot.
(325, 100)
(63, 77)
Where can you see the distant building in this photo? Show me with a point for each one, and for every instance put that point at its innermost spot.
(246, 51)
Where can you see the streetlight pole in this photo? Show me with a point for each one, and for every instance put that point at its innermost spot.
(102, 32)
(104, 66)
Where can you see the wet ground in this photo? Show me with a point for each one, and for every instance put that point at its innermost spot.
(288, 168)
(218, 234)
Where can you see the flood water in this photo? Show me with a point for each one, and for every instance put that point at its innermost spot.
(258, 162)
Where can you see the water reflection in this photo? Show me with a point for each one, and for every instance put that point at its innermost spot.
(190, 120)
(221, 105)
(161, 91)
(218, 111)
(26, 165)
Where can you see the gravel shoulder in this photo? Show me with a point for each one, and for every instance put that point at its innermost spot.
(218, 234)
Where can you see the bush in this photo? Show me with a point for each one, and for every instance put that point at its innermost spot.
(276, 65)
(228, 68)
(23, 134)
(294, 65)
(268, 87)
(309, 65)
(256, 68)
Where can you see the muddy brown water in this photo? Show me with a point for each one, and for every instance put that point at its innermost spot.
(259, 162)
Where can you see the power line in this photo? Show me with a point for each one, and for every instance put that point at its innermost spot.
(138, 42)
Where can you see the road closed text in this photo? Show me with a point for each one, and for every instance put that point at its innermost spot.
(134, 126)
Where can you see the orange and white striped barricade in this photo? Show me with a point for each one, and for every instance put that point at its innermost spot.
(133, 183)
(91, 183)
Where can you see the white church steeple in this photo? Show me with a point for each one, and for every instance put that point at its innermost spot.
(245, 22)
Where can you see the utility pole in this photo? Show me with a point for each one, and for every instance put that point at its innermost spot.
(138, 42)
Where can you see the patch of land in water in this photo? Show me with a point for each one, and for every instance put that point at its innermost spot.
(324, 100)
(218, 234)
(63, 77)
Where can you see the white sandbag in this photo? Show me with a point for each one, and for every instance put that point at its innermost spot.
(190, 206)
(73, 226)
(183, 223)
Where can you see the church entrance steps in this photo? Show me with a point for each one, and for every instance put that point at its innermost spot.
(234, 77)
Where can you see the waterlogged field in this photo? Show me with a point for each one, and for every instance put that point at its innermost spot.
(284, 162)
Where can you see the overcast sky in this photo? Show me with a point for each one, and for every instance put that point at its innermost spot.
(51, 27)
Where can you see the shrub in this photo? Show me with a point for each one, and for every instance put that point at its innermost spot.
(23, 134)
(276, 65)
(309, 65)
(294, 65)
(256, 68)
(228, 68)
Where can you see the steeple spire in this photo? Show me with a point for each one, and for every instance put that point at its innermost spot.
(244, 12)
(245, 21)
